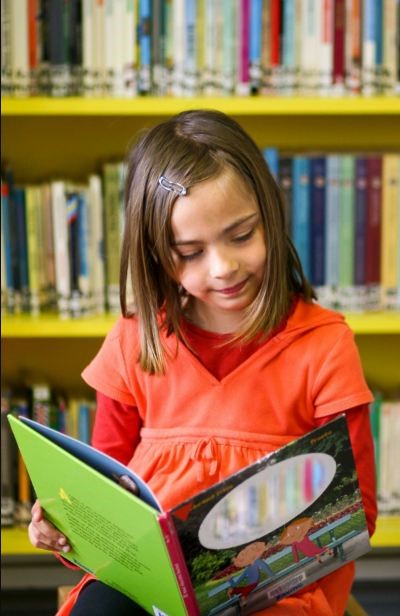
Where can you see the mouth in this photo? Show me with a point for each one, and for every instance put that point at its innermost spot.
(233, 290)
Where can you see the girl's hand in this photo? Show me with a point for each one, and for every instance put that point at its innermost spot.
(43, 535)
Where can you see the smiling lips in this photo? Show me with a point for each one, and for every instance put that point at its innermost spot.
(233, 290)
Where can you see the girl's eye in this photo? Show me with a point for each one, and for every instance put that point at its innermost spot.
(190, 256)
(244, 237)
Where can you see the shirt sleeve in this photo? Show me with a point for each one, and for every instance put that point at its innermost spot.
(116, 429)
(359, 424)
(108, 372)
(339, 382)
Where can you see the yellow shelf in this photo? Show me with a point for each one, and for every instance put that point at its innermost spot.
(15, 540)
(387, 534)
(51, 326)
(165, 106)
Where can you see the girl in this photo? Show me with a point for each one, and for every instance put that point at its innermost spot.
(227, 356)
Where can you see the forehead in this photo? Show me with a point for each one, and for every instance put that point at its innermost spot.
(217, 202)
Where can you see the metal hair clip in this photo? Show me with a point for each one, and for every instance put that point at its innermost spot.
(172, 186)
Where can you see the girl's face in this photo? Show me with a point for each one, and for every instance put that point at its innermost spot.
(219, 250)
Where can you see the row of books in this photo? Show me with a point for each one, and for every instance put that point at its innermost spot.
(61, 240)
(124, 48)
(75, 416)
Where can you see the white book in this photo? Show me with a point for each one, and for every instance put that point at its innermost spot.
(178, 42)
(18, 11)
(98, 47)
(325, 51)
(229, 53)
(5, 48)
(309, 64)
(129, 47)
(391, 42)
(88, 47)
(61, 252)
(96, 244)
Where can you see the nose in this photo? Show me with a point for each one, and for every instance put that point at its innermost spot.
(222, 263)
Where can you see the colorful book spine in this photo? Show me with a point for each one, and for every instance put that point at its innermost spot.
(190, 77)
(339, 33)
(301, 210)
(373, 231)
(317, 221)
(255, 45)
(243, 72)
(332, 229)
(229, 44)
(346, 206)
(353, 45)
(361, 175)
(145, 58)
(390, 244)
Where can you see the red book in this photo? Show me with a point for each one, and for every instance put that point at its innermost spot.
(339, 26)
(373, 225)
(275, 32)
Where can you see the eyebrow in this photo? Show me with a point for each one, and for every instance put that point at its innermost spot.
(227, 229)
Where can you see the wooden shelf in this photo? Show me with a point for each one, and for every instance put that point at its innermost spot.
(156, 106)
(51, 326)
(15, 540)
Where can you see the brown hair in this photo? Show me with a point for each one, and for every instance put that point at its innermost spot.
(190, 148)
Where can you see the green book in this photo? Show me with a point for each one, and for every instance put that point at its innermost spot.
(277, 525)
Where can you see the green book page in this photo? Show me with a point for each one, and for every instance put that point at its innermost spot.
(113, 534)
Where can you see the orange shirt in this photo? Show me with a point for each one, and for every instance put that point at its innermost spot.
(192, 429)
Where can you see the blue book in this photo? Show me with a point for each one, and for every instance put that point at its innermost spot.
(22, 245)
(145, 46)
(317, 218)
(255, 44)
(301, 211)
(271, 156)
(84, 422)
(332, 226)
(6, 232)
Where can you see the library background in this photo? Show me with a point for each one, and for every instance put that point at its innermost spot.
(316, 83)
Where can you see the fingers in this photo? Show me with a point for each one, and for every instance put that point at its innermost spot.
(43, 535)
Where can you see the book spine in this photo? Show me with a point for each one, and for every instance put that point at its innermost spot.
(5, 48)
(22, 245)
(88, 62)
(19, 48)
(326, 48)
(177, 41)
(75, 46)
(61, 252)
(339, 30)
(33, 249)
(84, 264)
(285, 171)
(346, 233)
(158, 47)
(112, 40)
(112, 233)
(33, 47)
(353, 46)
(8, 496)
(360, 231)
(390, 223)
(178, 562)
(59, 48)
(98, 47)
(288, 46)
(190, 77)
(145, 59)
(229, 52)
(96, 244)
(6, 235)
(275, 57)
(373, 231)
(332, 218)
(317, 194)
(301, 211)
(369, 44)
(243, 74)
(130, 48)
(390, 46)
(266, 49)
(255, 45)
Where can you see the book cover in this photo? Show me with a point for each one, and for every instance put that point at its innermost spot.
(293, 516)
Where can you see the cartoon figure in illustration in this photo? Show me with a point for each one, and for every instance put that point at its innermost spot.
(295, 535)
(250, 558)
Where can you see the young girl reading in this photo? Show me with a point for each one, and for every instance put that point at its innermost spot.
(227, 355)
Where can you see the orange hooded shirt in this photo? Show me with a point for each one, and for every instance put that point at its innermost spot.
(193, 430)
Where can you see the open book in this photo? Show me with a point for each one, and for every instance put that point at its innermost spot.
(261, 534)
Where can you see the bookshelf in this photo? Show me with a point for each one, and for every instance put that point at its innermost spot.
(71, 138)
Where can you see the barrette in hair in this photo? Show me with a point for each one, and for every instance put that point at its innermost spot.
(172, 186)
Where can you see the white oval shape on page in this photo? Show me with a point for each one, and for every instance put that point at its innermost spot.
(267, 500)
